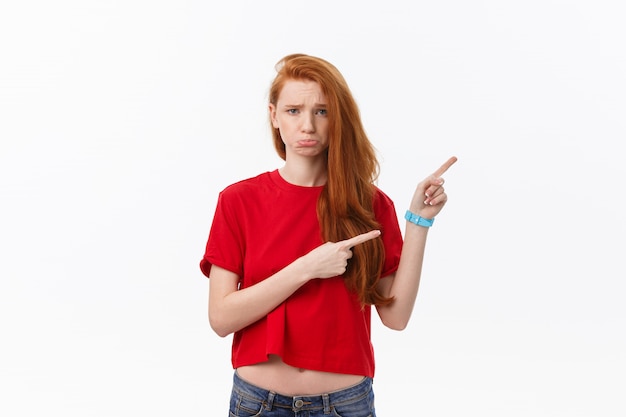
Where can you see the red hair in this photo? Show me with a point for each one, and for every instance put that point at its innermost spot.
(345, 207)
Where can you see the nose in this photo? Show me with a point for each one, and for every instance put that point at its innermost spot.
(308, 123)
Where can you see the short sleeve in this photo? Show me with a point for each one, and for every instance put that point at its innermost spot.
(225, 245)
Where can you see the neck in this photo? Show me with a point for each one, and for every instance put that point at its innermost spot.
(305, 173)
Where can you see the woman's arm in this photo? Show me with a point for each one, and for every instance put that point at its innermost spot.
(231, 309)
(428, 200)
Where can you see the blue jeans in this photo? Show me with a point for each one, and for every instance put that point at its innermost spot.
(248, 400)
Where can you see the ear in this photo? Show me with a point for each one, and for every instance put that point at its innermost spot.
(272, 110)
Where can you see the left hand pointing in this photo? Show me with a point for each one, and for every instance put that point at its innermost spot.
(430, 197)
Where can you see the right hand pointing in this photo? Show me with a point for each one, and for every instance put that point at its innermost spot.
(331, 258)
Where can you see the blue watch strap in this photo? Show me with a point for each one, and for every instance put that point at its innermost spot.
(418, 220)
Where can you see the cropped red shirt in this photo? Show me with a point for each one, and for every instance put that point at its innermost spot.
(261, 225)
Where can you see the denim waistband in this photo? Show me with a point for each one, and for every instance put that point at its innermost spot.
(324, 402)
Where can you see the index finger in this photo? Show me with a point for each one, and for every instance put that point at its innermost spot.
(445, 167)
(357, 240)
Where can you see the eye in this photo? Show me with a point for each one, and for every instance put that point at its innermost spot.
(322, 112)
(292, 111)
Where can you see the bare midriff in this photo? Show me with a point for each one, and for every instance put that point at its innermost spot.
(275, 375)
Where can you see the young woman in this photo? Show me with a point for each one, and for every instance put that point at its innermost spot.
(297, 256)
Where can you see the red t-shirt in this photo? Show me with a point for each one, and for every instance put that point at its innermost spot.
(263, 224)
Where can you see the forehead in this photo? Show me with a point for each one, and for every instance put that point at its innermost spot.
(302, 90)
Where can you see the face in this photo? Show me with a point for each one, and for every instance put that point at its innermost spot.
(301, 117)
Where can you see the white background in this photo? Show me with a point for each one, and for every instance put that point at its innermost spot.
(120, 121)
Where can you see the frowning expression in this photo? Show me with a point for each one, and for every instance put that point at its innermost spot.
(300, 115)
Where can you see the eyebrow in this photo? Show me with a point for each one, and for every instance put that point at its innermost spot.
(298, 106)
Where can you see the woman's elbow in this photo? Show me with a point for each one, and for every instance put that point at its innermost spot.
(396, 326)
(218, 326)
(394, 323)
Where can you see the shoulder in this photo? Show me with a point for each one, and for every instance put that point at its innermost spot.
(242, 193)
(247, 185)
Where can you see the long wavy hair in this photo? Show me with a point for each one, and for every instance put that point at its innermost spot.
(345, 206)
